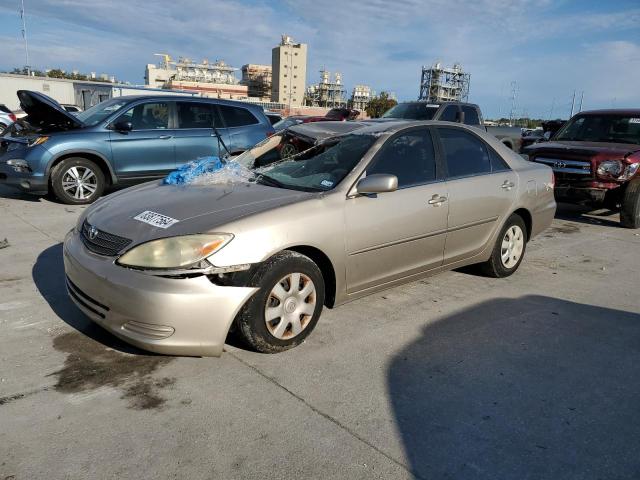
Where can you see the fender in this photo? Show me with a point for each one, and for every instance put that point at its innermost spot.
(80, 152)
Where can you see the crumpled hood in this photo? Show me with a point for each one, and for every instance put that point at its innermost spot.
(198, 208)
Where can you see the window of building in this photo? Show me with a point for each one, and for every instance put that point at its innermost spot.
(409, 156)
(465, 153)
(236, 116)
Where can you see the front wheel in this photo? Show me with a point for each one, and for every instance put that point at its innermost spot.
(77, 181)
(288, 305)
(509, 249)
(630, 212)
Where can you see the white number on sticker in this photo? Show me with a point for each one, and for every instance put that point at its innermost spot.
(155, 219)
(634, 120)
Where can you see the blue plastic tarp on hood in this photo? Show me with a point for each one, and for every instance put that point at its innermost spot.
(190, 171)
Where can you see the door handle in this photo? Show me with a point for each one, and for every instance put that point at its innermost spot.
(507, 185)
(437, 200)
(165, 137)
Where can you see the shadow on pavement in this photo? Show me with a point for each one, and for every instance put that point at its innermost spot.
(48, 276)
(534, 387)
(586, 214)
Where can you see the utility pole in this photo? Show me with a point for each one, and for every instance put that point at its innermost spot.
(24, 36)
(581, 98)
(573, 103)
(553, 104)
(512, 112)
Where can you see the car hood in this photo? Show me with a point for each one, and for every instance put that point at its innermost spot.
(197, 208)
(582, 148)
(47, 114)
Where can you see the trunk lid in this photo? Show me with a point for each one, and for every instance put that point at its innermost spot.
(45, 113)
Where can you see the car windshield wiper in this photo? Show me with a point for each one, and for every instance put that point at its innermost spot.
(267, 180)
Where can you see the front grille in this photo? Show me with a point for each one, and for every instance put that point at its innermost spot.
(103, 243)
(560, 165)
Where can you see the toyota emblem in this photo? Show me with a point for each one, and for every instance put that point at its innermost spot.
(93, 232)
(560, 165)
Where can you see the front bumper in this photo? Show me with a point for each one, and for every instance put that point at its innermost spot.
(25, 181)
(172, 316)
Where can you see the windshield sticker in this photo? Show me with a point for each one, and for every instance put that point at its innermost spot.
(155, 219)
(326, 183)
(634, 120)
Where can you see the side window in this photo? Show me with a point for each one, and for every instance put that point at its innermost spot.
(409, 156)
(147, 116)
(449, 114)
(464, 153)
(236, 116)
(497, 162)
(195, 115)
(470, 116)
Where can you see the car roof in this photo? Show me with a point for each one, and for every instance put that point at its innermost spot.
(174, 97)
(612, 111)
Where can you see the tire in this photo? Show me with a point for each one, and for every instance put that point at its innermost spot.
(66, 173)
(630, 212)
(496, 266)
(279, 333)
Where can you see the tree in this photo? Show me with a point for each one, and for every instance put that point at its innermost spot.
(56, 73)
(380, 104)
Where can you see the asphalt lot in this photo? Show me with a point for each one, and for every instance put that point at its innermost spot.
(456, 376)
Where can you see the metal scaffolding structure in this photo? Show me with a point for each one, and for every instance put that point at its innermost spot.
(329, 93)
(443, 84)
(360, 97)
(259, 80)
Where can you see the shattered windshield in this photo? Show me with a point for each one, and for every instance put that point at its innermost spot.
(94, 115)
(602, 128)
(320, 168)
(411, 111)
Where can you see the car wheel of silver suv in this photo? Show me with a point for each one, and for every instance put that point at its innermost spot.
(77, 181)
(509, 249)
(288, 305)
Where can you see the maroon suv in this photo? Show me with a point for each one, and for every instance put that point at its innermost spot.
(596, 159)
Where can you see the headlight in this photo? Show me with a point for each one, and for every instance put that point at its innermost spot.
(610, 169)
(174, 252)
(38, 141)
(630, 171)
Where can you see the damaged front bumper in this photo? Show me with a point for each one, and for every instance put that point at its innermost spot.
(175, 316)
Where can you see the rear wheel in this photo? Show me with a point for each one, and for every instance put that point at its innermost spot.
(288, 305)
(77, 181)
(509, 249)
(630, 212)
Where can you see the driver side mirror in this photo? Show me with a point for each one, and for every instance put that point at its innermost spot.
(377, 183)
(123, 126)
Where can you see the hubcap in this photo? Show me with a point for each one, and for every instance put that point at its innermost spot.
(79, 182)
(512, 246)
(290, 306)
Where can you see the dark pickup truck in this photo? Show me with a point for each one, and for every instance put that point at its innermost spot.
(460, 112)
(596, 160)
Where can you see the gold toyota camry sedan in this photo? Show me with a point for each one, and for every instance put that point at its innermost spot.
(314, 216)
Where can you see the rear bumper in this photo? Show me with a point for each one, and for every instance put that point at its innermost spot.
(165, 315)
(543, 217)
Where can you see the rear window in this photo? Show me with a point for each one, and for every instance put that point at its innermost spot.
(412, 111)
(470, 116)
(236, 116)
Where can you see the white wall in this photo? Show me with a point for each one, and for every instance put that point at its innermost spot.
(58, 89)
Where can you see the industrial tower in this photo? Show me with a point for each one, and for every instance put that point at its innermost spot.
(442, 84)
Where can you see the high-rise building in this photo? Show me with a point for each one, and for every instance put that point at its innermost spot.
(289, 65)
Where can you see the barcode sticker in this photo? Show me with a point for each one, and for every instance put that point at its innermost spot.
(155, 219)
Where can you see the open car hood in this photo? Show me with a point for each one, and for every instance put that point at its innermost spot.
(45, 113)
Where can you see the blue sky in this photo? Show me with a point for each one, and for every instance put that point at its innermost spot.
(549, 48)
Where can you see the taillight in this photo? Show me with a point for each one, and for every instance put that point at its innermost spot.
(13, 117)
